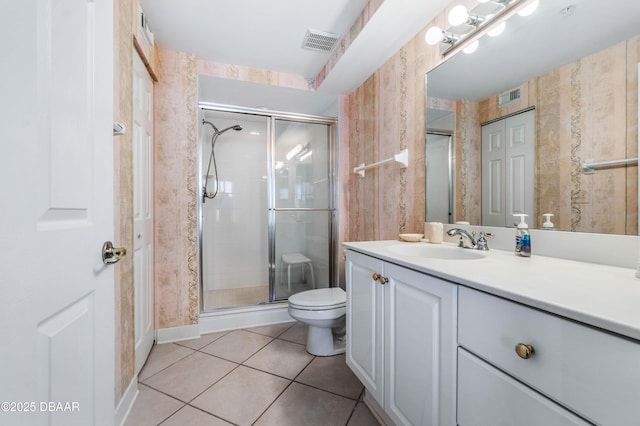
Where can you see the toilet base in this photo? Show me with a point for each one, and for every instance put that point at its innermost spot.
(322, 342)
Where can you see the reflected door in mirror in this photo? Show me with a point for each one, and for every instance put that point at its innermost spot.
(508, 153)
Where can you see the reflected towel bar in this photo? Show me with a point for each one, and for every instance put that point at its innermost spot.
(402, 158)
(588, 167)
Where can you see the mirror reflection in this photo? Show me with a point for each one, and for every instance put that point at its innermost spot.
(573, 68)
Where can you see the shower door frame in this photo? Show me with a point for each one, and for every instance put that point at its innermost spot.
(272, 116)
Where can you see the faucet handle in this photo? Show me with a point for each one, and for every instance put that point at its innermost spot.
(482, 241)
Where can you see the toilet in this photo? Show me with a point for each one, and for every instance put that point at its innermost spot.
(324, 311)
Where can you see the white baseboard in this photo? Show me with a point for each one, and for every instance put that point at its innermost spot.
(175, 334)
(227, 319)
(376, 410)
(126, 402)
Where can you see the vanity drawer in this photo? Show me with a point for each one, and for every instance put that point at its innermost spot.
(592, 372)
(487, 396)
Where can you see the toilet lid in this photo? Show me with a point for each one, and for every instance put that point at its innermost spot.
(328, 297)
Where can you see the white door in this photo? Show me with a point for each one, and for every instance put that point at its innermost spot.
(508, 160)
(520, 138)
(493, 174)
(142, 209)
(57, 304)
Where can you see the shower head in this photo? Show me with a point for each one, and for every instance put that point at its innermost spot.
(237, 127)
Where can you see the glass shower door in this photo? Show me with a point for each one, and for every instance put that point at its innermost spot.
(235, 228)
(302, 207)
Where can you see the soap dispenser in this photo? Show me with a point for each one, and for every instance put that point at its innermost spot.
(547, 225)
(523, 238)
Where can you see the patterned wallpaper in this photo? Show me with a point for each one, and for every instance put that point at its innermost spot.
(123, 193)
(175, 187)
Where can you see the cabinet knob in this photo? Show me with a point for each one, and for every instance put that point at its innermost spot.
(380, 278)
(524, 351)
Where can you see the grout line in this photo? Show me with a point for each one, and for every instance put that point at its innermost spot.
(172, 397)
(273, 402)
(159, 371)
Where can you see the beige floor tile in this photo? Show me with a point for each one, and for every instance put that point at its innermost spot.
(361, 416)
(189, 416)
(188, 377)
(237, 345)
(151, 408)
(332, 374)
(297, 334)
(202, 341)
(280, 357)
(242, 395)
(273, 330)
(161, 357)
(304, 405)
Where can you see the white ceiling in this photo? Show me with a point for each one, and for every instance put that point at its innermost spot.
(269, 35)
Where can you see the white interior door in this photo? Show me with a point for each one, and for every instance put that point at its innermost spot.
(143, 209)
(57, 304)
(520, 155)
(508, 161)
(493, 174)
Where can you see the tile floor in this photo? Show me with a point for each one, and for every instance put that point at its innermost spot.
(255, 376)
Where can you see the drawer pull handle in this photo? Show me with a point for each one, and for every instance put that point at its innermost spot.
(524, 351)
(380, 278)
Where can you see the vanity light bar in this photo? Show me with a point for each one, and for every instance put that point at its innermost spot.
(453, 43)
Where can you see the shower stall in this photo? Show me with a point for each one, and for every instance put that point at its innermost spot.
(267, 217)
(440, 163)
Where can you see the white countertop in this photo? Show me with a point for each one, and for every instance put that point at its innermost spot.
(606, 297)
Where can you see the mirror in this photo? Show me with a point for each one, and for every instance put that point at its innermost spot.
(576, 65)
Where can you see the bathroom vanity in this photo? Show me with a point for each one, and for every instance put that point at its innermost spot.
(441, 335)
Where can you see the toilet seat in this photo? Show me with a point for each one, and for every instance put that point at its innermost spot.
(322, 299)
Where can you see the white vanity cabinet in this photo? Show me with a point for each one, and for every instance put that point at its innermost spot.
(589, 371)
(401, 340)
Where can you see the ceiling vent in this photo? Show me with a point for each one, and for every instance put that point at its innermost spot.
(319, 40)
(509, 96)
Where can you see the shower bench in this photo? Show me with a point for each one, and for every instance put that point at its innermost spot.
(297, 259)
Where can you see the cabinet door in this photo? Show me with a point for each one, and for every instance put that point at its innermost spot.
(365, 341)
(420, 322)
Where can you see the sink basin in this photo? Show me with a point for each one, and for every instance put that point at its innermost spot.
(434, 251)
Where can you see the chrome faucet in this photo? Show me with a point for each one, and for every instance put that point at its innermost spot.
(479, 244)
(458, 231)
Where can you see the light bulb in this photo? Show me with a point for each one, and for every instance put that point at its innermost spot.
(498, 29)
(529, 9)
(433, 35)
(472, 47)
(458, 15)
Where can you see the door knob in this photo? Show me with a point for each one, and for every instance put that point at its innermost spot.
(111, 254)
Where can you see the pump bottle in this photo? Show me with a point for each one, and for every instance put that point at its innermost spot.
(523, 238)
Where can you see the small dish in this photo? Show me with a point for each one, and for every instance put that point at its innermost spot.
(411, 238)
